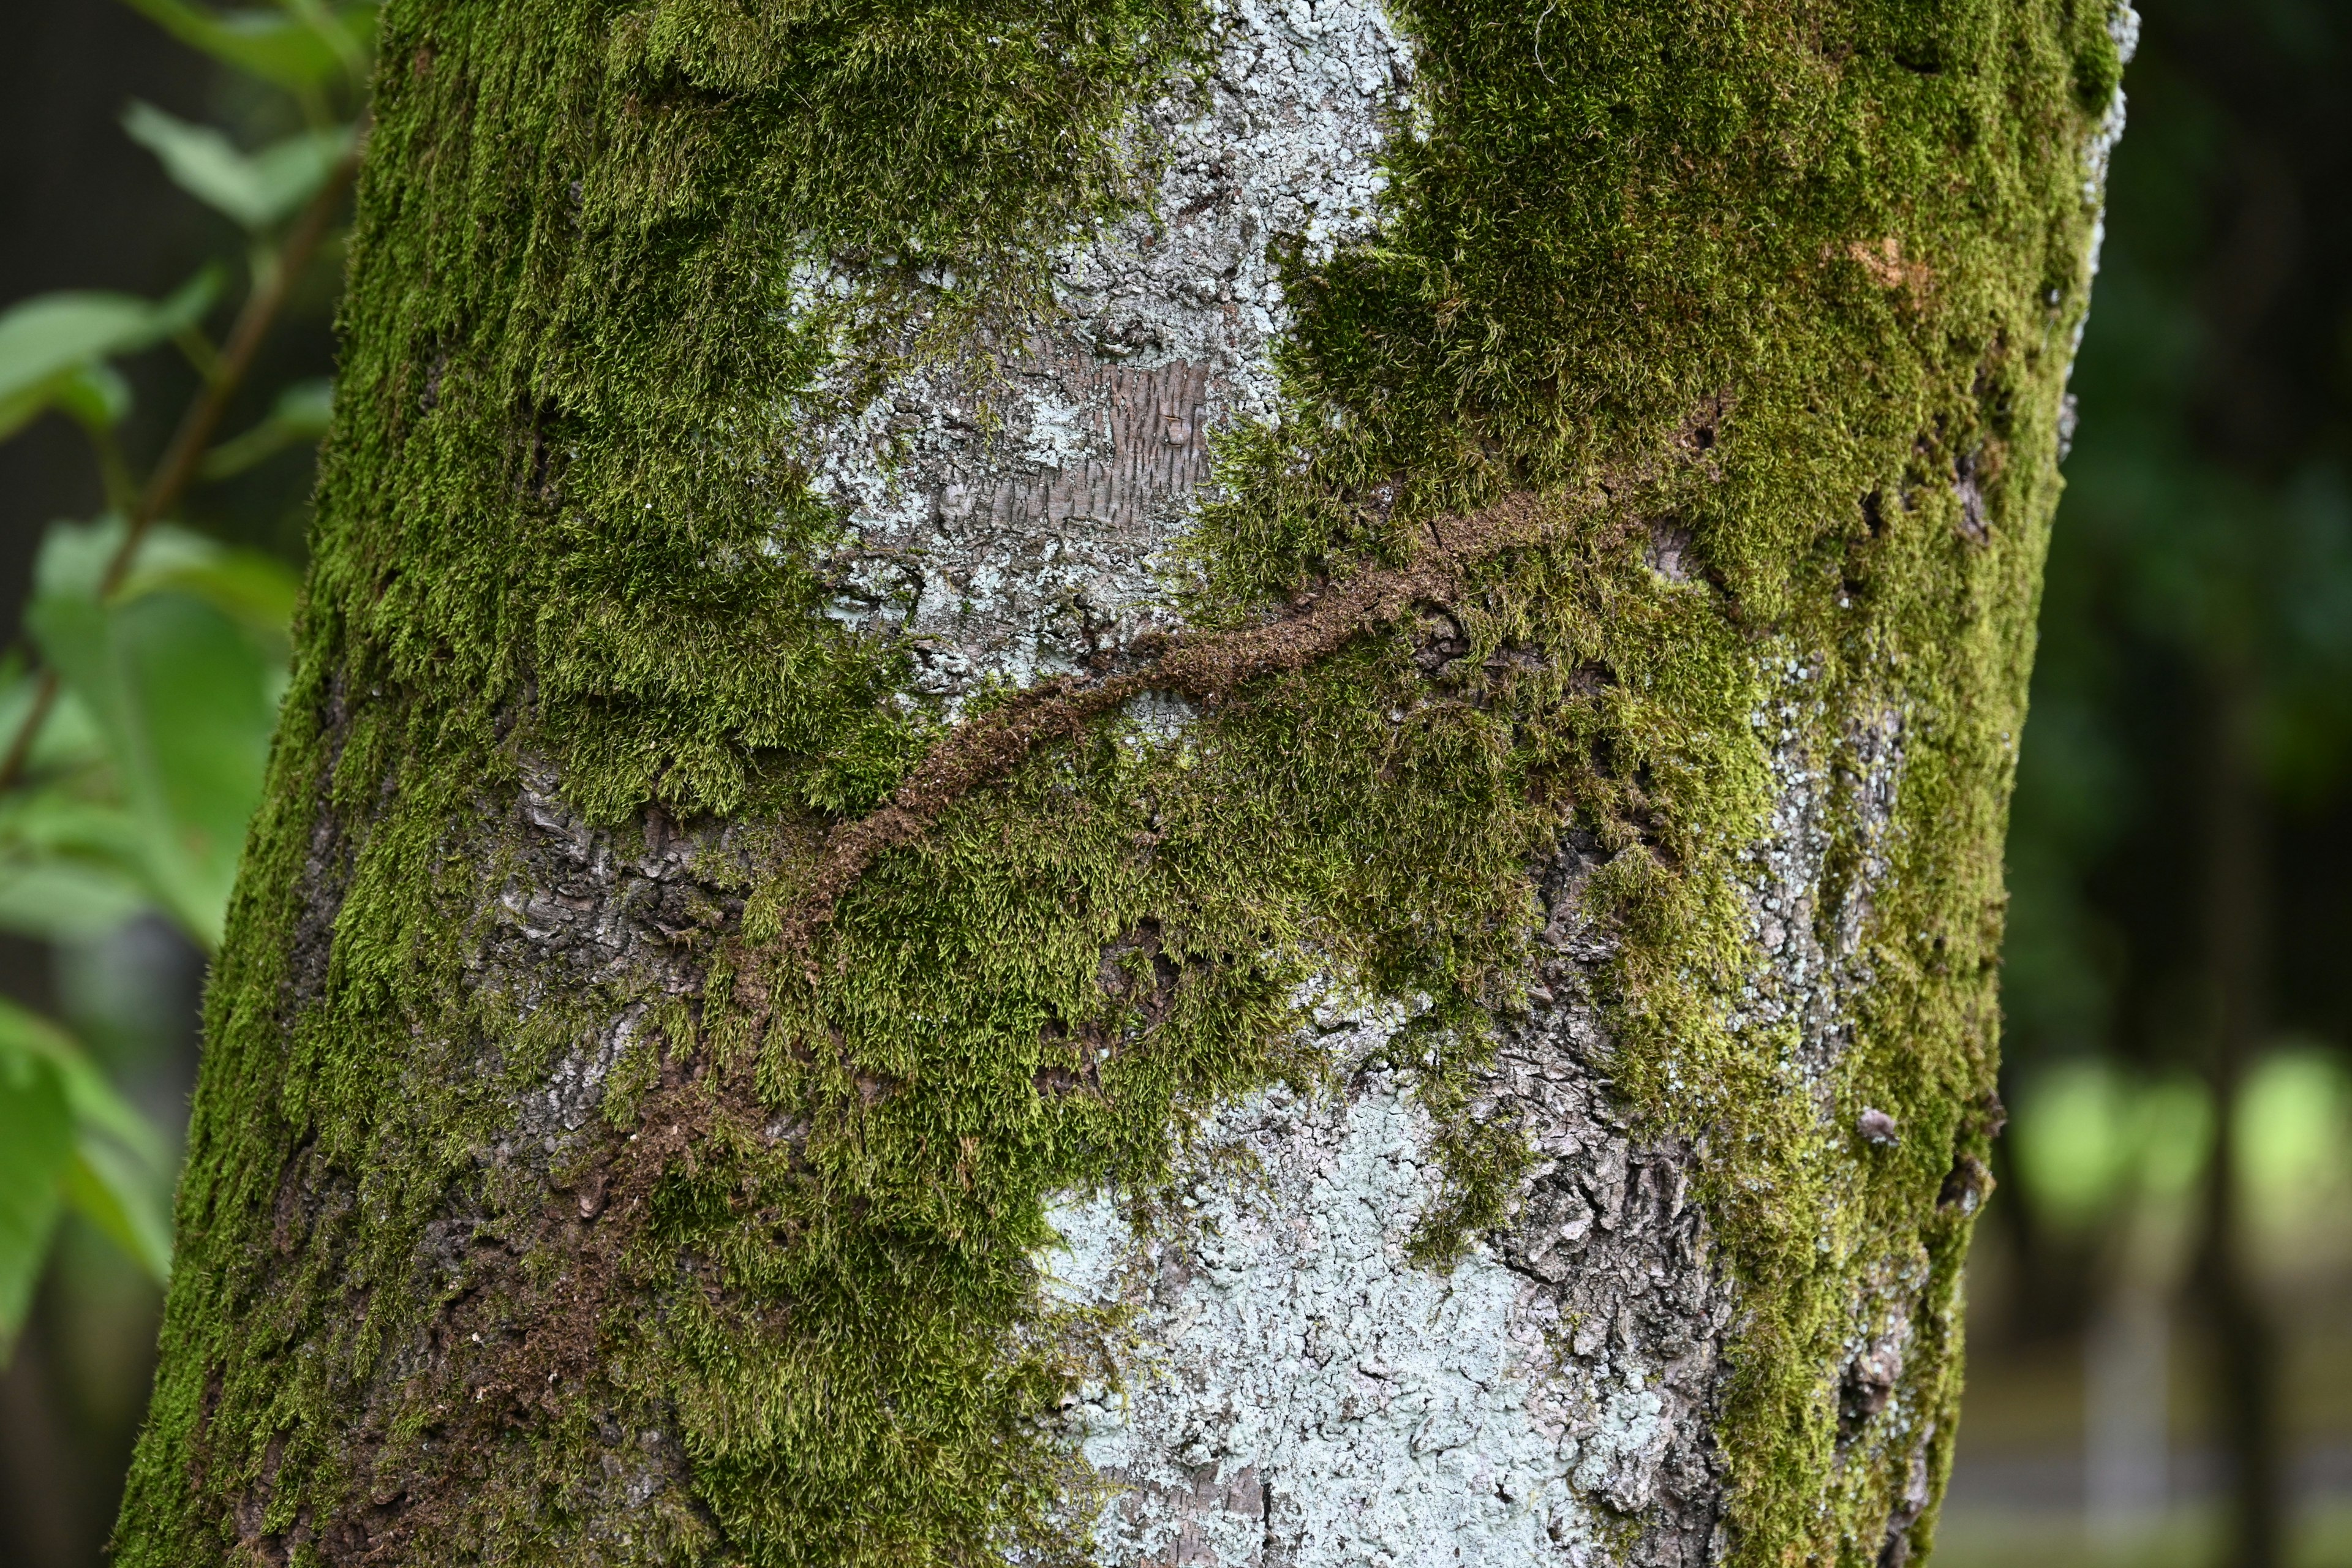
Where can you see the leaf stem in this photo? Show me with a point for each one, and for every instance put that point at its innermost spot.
(114, 469)
(198, 351)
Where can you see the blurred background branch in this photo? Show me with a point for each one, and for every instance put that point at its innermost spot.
(190, 450)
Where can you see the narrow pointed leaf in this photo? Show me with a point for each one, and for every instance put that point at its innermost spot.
(26, 1036)
(269, 44)
(36, 1143)
(124, 1200)
(47, 340)
(300, 415)
(256, 189)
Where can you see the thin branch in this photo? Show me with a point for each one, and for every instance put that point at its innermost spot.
(1206, 665)
(179, 462)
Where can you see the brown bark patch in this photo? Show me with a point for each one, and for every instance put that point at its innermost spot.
(1888, 267)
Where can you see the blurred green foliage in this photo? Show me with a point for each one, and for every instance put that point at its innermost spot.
(2095, 1139)
(136, 713)
(2202, 557)
(2088, 1139)
(56, 350)
(151, 763)
(2178, 1003)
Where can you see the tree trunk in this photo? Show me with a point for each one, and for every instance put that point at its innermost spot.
(1161, 779)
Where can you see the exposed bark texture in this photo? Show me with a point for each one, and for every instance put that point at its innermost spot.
(1139, 781)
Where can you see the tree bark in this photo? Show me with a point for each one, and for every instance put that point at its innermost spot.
(1143, 781)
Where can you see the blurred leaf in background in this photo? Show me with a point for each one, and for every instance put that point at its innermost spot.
(299, 416)
(303, 46)
(256, 189)
(2095, 1137)
(136, 711)
(54, 349)
(2091, 1138)
(66, 1138)
(134, 797)
(174, 680)
(2294, 1127)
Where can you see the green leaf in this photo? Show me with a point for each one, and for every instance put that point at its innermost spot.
(301, 414)
(94, 395)
(70, 857)
(254, 590)
(72, 862)
(151, 761)
(289, 50)
(59, 821)
(184, 697)
(256, 189)
(36, 1143)
(90, 1148)
(66, 901)
(68, 742)
(307, 406)
(26, 1036)
(46, 340)
(124, 1199)
(74, 556)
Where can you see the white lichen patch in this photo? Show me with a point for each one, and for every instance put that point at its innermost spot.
(1808, 928)
(2123, 26)
(2098, 151)
(1295, 1390)
(1011, 497)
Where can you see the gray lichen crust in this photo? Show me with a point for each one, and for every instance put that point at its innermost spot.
(1011, 501)
(1298, 1391)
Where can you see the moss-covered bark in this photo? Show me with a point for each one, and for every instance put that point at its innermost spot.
(678, 993)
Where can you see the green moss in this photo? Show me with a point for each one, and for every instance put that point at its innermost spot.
(1772, 276)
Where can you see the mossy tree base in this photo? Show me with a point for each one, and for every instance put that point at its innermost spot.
(956, 659)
